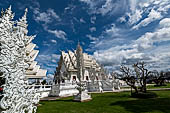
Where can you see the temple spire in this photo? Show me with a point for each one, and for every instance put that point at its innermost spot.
(79, 48)
(23, 21)
(80, 61)
(8, 13)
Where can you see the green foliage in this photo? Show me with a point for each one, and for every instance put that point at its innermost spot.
(109, 103)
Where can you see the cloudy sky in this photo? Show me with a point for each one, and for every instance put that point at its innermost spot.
(115, 32)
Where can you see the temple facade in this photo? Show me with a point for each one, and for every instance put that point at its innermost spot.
(75, 67)
(72, 62)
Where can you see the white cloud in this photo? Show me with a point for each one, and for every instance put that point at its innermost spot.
(82, 20)
(135, 16)
(165, 22)
(144, 12)
(93, 19)
(89, 2)
(58, 33)
(133, 4)
(109, 37)
(92, 29)
(49, 78)
(91, 37)
(153, 15)
(113, 30)
(54, 41)
(122, 19)
(105, 7)
(37, 47)
(146, 48)
(55, 56)
(160, 35)
(45, 43)
(48, 62)
(46, 17)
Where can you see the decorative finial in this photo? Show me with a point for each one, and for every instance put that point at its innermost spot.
(2, 12)
(9, 8)
(26, 11)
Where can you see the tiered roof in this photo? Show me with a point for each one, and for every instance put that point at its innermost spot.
(69, 60)
(33, 71)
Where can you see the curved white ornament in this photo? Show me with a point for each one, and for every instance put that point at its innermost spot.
(17, 96)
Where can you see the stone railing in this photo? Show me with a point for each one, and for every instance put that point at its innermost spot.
(42, 90)
(63, 90)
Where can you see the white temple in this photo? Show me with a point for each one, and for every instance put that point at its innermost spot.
(68, 73)
(67, 68)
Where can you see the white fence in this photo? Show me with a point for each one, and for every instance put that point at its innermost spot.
(42, 90)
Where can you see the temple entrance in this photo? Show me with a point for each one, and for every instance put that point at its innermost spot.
(97, 78)
(87, 78)
(74, 78)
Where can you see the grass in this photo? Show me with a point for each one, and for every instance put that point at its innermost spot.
(109, 103)
(153, 87)
(150, 86)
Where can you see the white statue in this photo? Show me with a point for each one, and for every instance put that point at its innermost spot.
(81, 87)
(17, 96)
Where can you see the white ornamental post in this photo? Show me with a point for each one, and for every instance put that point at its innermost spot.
(83, 93)
(17, 96)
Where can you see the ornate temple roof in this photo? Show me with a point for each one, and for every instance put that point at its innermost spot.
(69, 60)
(33, 70)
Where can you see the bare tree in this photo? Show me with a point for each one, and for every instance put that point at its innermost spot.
(129, 77)
(139, 74)
(142, 73)
(158, 77)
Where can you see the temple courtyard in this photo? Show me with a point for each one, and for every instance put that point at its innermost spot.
(117, 102)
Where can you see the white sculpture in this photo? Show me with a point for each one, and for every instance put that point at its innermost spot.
(17, 96)
(83, 93)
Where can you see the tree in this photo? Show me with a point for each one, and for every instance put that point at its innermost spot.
(142, 73)
(158, 77)
(136, 77)
(129, 77)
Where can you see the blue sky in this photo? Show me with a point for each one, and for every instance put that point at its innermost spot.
(114, 32)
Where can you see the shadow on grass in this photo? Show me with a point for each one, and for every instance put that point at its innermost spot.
(114, 95)
(145, 105)
(64, 100)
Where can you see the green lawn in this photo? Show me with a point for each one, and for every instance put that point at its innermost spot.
(152, 86)
(109, 103)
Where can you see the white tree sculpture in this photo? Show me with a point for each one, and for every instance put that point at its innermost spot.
(17, 96)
